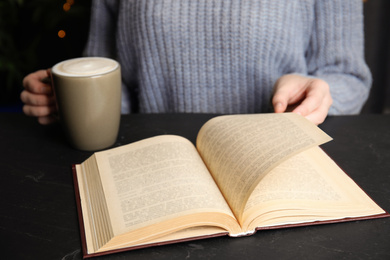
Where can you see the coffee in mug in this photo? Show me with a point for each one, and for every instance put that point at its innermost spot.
(88, 94)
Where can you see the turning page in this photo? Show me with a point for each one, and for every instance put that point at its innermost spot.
(240, 150)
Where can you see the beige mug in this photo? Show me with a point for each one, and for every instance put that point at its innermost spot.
(88, 94)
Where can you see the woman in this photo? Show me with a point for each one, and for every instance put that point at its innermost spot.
(227, 56)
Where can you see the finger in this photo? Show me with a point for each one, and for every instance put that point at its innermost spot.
(286, 94)
(47, 120)
(279, 107)
(37, 82)
(316, 94)
(39, 111)
(317, 115)
(309, 104)
(36, 99)
(280, 100)
(284, 101)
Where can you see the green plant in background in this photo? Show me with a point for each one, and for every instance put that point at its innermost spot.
(29, 38)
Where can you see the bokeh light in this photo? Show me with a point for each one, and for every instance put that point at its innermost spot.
(66, 7)
(61, 34)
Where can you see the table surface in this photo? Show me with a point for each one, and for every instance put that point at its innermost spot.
(38, 210)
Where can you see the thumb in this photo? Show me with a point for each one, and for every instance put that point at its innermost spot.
(279, 102)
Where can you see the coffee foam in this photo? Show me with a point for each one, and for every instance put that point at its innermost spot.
(82, 67)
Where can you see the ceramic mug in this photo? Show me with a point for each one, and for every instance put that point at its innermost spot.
(88, 94)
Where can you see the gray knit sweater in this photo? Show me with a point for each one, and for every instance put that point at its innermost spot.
(224, 56)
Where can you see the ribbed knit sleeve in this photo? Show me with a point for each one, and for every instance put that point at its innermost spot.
(101, 39)
(336, 53)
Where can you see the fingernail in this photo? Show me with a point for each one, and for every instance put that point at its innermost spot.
(278, 106)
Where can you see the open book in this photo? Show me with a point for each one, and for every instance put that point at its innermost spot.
(247, 172)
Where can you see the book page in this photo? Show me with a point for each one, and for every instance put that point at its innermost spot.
(307, 187)
(240, 150)
(156, 180)
(98, 230)
(188, 234)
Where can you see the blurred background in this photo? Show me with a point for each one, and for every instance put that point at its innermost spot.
(377, 41)
(35, 34)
